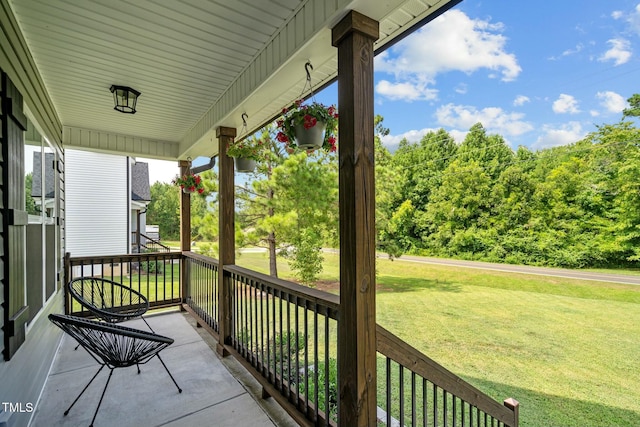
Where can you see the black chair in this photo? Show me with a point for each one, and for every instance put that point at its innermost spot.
(113, 346)
(110, 301)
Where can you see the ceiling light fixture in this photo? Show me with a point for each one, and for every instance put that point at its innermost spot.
(125, 99)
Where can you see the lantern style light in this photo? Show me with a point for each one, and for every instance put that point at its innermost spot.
(125, 99)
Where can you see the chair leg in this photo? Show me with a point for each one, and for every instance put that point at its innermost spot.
(167, 369)
(101, 397)
(83, 390)
(148, 325)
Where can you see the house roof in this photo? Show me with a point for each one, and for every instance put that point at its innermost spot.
(140, 190)
(198, 64)
(36, 183)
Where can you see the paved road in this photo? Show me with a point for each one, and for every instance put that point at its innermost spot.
(542, 271)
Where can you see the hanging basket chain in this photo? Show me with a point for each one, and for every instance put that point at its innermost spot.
(308, 67)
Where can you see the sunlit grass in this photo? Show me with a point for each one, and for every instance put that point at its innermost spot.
(566, 349)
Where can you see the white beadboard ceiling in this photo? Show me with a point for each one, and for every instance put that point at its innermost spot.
(199, 64)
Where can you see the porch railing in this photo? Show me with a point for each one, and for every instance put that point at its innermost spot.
(155, 275)
(420, 392)
(286, 336)
(148, 244)
(201, 288)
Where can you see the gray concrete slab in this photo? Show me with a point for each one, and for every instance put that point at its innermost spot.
(212, 395)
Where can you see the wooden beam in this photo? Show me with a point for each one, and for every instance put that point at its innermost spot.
(185, 211)
(354, 37)
(185, 233)
(227, 245)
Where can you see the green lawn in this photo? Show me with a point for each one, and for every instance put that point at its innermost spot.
(568, 350)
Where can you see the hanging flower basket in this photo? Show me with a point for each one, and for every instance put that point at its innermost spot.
(249, 148)
(310, 138)
(309, 127)
(189, 183)
(245, 165)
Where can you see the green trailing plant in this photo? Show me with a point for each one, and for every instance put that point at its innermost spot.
(249, 148)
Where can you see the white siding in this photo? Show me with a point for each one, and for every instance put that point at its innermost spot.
(97, 207)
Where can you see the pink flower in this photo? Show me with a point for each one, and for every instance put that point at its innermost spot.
(332, 111)
(284, 110)
(192, 188)
(200, 190)
(299, 102)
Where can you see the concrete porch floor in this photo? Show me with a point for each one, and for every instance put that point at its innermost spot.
(216, 391)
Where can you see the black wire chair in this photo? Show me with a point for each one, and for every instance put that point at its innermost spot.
(110, 301)
(113, 346)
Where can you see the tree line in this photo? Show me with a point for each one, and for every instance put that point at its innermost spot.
(576, 205)
(570, 206)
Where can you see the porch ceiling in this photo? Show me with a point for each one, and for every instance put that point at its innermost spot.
(199, 64)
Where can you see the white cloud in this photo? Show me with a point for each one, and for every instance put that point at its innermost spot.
(594, 113)
(619, 53)
(634, 20)
(461, 88)
(617, 14)
(451, 42)
(494, 119)
(458, 135)
(568, 52)
(406, 91)
(521, 100)
(567, 133)
(392, 141)
(565, 104)
(612, 101)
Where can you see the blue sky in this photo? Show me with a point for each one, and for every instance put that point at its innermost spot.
(540, 74)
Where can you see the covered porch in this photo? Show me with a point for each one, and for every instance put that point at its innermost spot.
(216, 391)
(321, 357)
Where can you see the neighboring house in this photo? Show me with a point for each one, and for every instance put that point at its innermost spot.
(140, 199)
(98, 209)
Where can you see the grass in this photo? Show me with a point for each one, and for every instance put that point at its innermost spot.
(566, 349)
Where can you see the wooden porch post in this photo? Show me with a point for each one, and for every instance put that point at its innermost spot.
(227, 245)
(185, 231)
(354, 37)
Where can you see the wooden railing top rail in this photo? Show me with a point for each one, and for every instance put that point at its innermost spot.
(123, 258)
(327, 299)
(201, 258)
(398, 350)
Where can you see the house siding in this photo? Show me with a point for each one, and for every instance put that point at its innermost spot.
(23, 377)
(96, 203)
(30, 351)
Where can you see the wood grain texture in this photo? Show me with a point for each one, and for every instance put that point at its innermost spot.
(185, 232)
(227, 253)
(354, 38)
